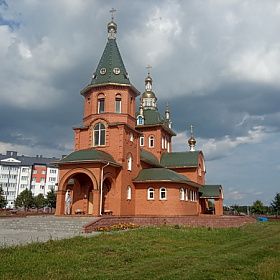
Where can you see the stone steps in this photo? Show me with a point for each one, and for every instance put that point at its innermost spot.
(47, 223)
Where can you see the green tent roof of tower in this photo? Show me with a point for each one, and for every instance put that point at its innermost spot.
(111, 68)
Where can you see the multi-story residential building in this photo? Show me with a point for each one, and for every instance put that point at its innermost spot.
(18, 173)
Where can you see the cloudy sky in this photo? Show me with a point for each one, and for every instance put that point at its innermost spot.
(216, 62)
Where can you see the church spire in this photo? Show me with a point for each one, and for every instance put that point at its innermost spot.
(111, 69)
(148, 98)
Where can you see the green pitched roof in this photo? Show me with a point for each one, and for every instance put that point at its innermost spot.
(152, 116)
(160, 175)
(210, 191)
(149, 158)
(180, 159)
(110, 60)
(89, 155)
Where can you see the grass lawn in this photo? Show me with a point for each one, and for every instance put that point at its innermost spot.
(249, 252)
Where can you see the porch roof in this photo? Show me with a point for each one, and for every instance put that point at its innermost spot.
(88, 155)
(210, 191)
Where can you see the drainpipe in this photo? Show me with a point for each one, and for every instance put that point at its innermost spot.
(101, 187)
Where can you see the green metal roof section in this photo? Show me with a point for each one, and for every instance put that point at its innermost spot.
(210, 191)
(160, 175)
(88, 155)
(152, 116)
(180, 159)
(149, 158)
(111, 61)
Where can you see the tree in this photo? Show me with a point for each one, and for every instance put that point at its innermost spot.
(25, 199)
(51, 199)
(275, 204)
(39, 201)
(3, 201)
(258, 207)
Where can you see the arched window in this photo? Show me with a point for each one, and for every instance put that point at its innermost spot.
(99, 135)
(151, 142)
(162, 193)
(142, 139)
(101, 105)
(186, 194)
(182, 194)
(140, 120)
(118, 104)
(128, 189)
(129, 163)
(151, 193)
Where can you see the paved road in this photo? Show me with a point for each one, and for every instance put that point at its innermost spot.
(21, 231)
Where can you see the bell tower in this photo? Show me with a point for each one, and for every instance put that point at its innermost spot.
(109, 101)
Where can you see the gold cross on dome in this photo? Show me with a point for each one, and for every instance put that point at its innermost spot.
(167, 103)
(148, 67)
(112, 11)
(191, 126)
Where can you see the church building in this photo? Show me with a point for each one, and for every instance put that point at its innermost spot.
(123, 164)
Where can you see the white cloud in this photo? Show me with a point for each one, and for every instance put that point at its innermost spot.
(259, 65)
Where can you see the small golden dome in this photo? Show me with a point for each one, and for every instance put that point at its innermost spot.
(192, 141)
(112, 25)
(148, 94)
(149, 80)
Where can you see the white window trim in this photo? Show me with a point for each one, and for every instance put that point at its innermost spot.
(128, 192)
(129, 163)
(160, 193)
(118, 102)
(187, 195)
(151, 139)
(182, 194)
(142, 141)
(151, 190)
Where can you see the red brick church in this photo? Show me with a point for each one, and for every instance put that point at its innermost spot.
(123, 162)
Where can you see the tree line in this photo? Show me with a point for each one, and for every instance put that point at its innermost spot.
(26, 200)
(259, 208)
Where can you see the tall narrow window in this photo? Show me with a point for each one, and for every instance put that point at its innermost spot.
(101, 105)
(99, 135)
(128, 189)
(151, 194)
(142, 140)
(129, 163)
(151, 141)
(118, 104)
(186, 194)
(182, 194)
(162, 193)
(140, 120)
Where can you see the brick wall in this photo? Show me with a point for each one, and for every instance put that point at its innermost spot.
(195, 221)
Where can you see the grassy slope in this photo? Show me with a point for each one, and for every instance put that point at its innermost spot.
(249, 252)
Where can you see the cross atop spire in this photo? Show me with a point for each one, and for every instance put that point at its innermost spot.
(149, 68)
(112, 12)
(192, 141)
(191, 126)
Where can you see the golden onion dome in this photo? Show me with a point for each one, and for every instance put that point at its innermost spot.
(149, 80)
(192, 141)
(112, 25)
(148, 94)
